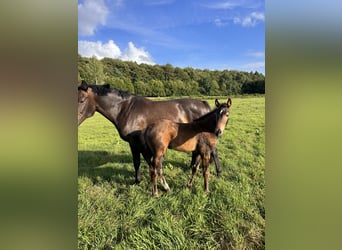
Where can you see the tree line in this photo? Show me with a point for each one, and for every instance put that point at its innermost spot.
(167, 80)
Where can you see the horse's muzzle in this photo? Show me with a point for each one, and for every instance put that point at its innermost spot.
(218, 132)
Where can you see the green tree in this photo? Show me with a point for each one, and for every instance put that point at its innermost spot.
(142, 88)
(193, 88)
(157, 88)
(168, 72)
(157, 72)
(214, 88)
(176, 81)
(95, 70)
(121, 83)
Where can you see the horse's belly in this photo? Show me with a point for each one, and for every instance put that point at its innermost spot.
(187, 146)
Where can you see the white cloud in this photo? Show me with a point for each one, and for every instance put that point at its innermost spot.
(232, 4)
(99, 49)
(91, 13)
(159, 2)
(254, 66)
(251, 20)
(256, 54)
(220, 23)
(223, 5)
(139, 55)
(111, 50)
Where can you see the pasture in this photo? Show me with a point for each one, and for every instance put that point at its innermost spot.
(115, 214)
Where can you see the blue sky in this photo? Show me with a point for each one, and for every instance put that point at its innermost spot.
(204, 34)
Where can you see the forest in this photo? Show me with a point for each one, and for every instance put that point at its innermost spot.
(167, 80)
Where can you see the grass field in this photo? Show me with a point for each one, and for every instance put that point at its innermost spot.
(114, 214)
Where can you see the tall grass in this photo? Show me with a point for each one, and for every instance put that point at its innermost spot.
(115, 214)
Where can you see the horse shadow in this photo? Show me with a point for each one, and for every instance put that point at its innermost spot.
(93, 164)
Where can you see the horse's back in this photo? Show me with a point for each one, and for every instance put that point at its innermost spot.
(182, 110)
(193, 108)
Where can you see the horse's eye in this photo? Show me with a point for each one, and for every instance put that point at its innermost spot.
(82, 99)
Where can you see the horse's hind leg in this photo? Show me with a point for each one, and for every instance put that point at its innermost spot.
(153, 174)
(206, 172)
(214, 156)
(195, 162)
(160, 174)
(162, 180)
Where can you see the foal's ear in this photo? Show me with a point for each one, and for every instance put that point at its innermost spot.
(84, 85)
(229, 102)
(217, 104)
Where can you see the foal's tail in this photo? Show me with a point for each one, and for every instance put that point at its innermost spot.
(145, 149)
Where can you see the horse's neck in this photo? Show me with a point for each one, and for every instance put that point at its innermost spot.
(207, 124)
(196, 127)
(110, 106)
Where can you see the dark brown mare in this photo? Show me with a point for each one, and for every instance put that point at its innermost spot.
(199, 137)
(130, 114)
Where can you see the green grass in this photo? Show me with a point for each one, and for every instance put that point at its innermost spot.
(114, 214)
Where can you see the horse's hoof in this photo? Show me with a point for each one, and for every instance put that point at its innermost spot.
(137, 182)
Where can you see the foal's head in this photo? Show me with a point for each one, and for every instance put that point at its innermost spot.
(222, 115)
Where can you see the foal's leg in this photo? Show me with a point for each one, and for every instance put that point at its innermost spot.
(206, 159)
(156, 170)
(161, 176)
(195, 162)
(153, 174)
(217, 163)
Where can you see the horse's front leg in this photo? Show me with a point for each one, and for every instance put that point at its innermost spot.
(206, 171)
(136, 163)
(195, 162)
(216, 161)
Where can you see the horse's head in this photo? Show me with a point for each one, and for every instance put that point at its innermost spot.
(222, 115)
(86, 102)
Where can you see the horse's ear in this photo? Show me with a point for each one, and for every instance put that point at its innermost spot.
(229, 102)
(217, 104)
(107, 86)
(84, 85)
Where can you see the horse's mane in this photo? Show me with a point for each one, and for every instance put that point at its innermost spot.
(102, 90)
(208, 114)
(123, 94)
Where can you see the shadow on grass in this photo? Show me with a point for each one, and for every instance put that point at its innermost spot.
(93, 165)
(96, 165)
